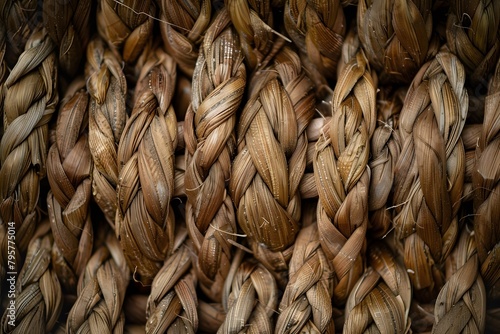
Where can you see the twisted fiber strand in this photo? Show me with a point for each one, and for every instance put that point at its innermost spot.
(145, 220)
(380, 301)
(101, 291)
(486, 185)
(306, 305)
(461, 303)
(272, 158)
(69, 170)
(343, 177)
(396, 35)
(68, 25)
(30, 100)
(107, 87)
(430, 171)
(470, 137)
(473, 35)
(38, 291)
(182, 28)
(218, 86)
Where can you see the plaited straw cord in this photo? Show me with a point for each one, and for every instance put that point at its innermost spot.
(218, 85)
(69, 168)
(306, 305)
(318, 29)
(107, 87)
(38, 291)
(486, 184)
(101, 290)
(30, 100)
(429, 174)
(145, 220)
(461, 303)
(380, 301)
(473, 35)
(68, 25)
(126, 26)
(182, 28)
(271, 161)
(385, 148)
(342, 175)
(396, 35)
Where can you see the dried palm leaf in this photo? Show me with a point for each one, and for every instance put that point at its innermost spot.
(145, 220)
(38, 291)
(218, 86)
(430, 171)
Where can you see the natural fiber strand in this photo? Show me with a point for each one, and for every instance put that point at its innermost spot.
(470, 137)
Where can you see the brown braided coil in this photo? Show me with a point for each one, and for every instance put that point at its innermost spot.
(38, 294)
(486, 184)
(30, 100)
(461, 303)
(380, 301)
(473, 35)
(145, 220)
(182, 26)
(396, 35)
(342, 175)
(107, 87)
(218, 86)
(101, 291)
(429, 174)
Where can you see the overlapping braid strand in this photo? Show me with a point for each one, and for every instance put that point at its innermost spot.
(145, 220)
(30, 100)
(69, 170)
(38, 294)
(472, 33)
(397, 36)
(343, 176)
(218, 85)
(429, 174)
(182, 27)
(271, 160)
(107, 87)
(380, 300)
(101, 291)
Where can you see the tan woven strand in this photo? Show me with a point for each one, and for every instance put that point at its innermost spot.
(145, 221)
(218, 85)
(342, 175)
(38, 294)
(30, 100)
(101, 290)
(430, 171)
(461, 303)
(473, 35)
(380, 301)
(107, 87)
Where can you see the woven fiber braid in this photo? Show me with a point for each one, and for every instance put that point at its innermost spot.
(107, 87)
(30, 100)
(342, 175)
(318, 29)
(429, 174)
(396, 35)
(380, 300)
(182, 28)
(38, 291)
(68, 25)
(69, 168)
(145, 220)
(486, 185)
(461, 303)
(306, 305)
(473, 35)
(218, 85)
(101, 290)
